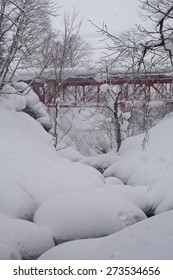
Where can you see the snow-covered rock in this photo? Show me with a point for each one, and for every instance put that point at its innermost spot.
(85, 215)
(8, 251)
(151, 239)
(113, 180)
(24, 239)
(70, 153)
(165, 205)
(139, 197)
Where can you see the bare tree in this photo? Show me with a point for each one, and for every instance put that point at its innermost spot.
(23, 24)
(160, 36)
(66, 52)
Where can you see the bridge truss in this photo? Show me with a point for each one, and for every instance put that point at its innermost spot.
(76, 92)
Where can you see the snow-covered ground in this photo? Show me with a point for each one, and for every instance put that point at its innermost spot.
(47, 197)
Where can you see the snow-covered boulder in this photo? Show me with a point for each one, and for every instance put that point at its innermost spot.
(85, 215)
(151, 239)
(24, 239)
(113, 180)
(70, 153)
(165, 205)
(9, 251)
(138, 197)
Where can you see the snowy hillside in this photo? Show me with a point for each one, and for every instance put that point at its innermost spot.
(47, 199)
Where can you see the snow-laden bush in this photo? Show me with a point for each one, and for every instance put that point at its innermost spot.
(88, 131)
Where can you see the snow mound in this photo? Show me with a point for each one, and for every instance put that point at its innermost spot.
(85, 215)
(150, 164)
(36, 171)
(22, 239)
(70, 154)
(123, 168)
(102, 161)
(113, 180)
(151, 239)
(165, 205)
(73, 250)
(139, 197)
(8, 250)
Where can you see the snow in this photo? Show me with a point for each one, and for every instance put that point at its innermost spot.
(91, 214)
(113, 180)
(36, 171)
(105, 88)
(87, 130)
(151, 166)
(102, 161)
(150, 239)
(50, 196)
(20, 96)
(165, 205)
(24, 239)
(70, 154)
(73, 250)
(124, 167)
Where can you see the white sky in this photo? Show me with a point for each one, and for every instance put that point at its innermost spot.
(118, 15)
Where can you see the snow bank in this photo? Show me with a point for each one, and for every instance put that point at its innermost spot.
(151, 166)
(148, 239)
(31, 171)
(91, 214)
(24, 239)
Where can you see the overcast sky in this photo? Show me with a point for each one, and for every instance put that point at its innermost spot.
(118, 15)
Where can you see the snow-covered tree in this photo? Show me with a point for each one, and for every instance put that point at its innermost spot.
(118, 118)
(23, 25)
(159, 42)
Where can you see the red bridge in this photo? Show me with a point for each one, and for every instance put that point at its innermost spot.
(85, 90)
